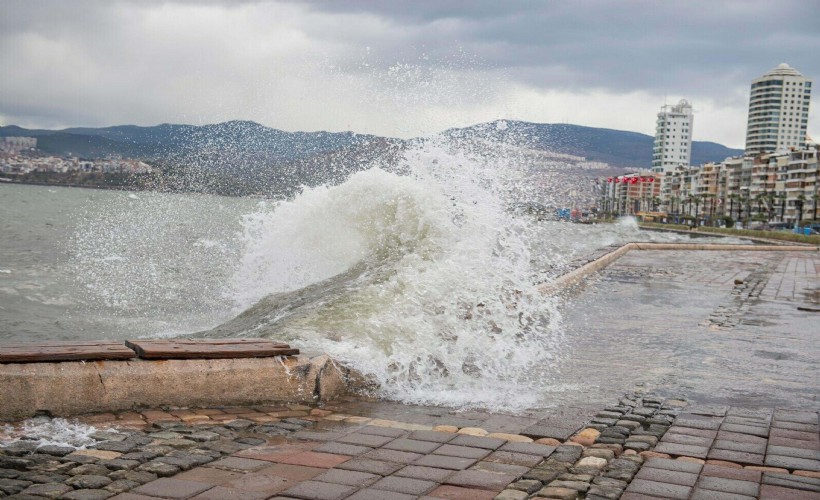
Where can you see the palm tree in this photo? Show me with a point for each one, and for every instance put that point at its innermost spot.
(814, 199)
(782, 198)
(798, 203)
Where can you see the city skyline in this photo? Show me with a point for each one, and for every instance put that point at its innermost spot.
(394, 69)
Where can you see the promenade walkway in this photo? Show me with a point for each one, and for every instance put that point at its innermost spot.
(726, 408)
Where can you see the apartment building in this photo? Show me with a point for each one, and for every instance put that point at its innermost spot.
(673, 137)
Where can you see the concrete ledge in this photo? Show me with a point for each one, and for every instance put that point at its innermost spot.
(575, 276)
(73, 388)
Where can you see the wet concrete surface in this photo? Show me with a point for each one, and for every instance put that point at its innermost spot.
(709, 326)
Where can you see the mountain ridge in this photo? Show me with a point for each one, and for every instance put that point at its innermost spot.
(618, 148)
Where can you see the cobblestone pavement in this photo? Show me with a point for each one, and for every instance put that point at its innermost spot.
(640, 447)
(722, 330)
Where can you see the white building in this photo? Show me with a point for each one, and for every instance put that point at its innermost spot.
(778, 111)
(673, 137)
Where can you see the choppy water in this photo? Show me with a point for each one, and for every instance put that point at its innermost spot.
(424, 280)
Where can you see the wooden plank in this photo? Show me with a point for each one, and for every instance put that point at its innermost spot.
(41, 352)
(209, 348)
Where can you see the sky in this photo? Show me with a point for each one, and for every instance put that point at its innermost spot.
(397, 68)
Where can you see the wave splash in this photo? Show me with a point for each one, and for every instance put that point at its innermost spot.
(423, 281)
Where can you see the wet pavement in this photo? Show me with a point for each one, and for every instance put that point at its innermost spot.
(688, 375)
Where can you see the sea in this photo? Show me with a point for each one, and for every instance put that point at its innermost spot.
(424, 278)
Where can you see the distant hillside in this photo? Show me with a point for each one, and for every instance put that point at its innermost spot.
(616, 147)
(244, 138)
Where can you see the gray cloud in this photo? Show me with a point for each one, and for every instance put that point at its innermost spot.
(395, 68)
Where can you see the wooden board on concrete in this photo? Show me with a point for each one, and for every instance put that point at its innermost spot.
(209, 348)
(42, 352)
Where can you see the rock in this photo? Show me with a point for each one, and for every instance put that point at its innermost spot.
(9, 473)
(446, 428)
(592, 462)
(573, 485)
(43, 477)
(511, 495)
(556, 492)
(120, 464)
(527, 485)
(604, 453)
(108, 436)
(159, 468)
(473, 431)
(97, 454)
(119, 446)
(203, 436)
(636, 445)
(654, 454)
(90, 494)
(241, 424)
(121, 486)
(604, 492)
(57, 451)
(88, 481)
(48, 490)
(89, 469)
(516, 438)
(20, 448)
(549, 442)
(12, 486)
(586, 437)
(166, 435)
(132, 475)
(250, 440)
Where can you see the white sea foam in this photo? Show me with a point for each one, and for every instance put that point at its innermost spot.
(50, 431)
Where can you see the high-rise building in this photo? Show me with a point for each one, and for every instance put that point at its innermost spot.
(673, 137)
(778, 111)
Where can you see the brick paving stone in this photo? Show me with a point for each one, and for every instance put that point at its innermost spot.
(793, 443)
(682, 450)
(369, 494)
(239, 464)
(399, 457)
(361, 439)
(444, 462)
(462, 451)
(406, 485)
(730, 473)
(702, 494)
(348, 477)
(803, 417)
(772, 492)
(426, 473)
(477, 442)
(798, 435)
(208, 475)
(131, 496)
(746, 429)
(517, 470)
(293, 472)
(557, 492)
(667, 476)
(687, 439)
(316, 436)
(342, 449)
(748, 488)
(377, 430)
(709, 410)
(172, 488)
(512, 458)
(481, 479)
(316, 490)
(224, 493)
(792, 463)
(457, 493)
(756, 448)
(275, 453)
(434, 436)
(693, 432)
(678, 465)
(698, 421)
(663, 490)
(538, 431)
(792, 481)
(314, 459)
(794, 426)
(736, 456)
(260, 482)
(412, 445)
(371, 466)
(541, 450)
(787, 451)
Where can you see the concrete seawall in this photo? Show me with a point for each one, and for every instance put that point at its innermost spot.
(73, 388)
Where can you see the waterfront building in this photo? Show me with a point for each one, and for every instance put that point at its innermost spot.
(778, 111)
(673, 137)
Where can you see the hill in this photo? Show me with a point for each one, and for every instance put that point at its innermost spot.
(244, 138)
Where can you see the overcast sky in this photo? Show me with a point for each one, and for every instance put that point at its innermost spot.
(400, 68)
